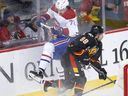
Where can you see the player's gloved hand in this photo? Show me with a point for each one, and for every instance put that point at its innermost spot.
(56, 32)
(102, 74)
(39, 21)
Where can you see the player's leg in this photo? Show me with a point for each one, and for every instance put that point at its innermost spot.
(80, 82)
(60, 48)
(76, 75)
(46, 58)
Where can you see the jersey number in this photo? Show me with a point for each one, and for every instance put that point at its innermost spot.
(84, 40)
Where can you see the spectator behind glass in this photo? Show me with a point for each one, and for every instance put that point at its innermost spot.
(89, 11)
(10, 29)
(33, 31)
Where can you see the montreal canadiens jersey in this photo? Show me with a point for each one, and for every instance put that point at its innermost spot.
(67, 20)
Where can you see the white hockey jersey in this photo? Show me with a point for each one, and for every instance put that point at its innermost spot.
(67, 20)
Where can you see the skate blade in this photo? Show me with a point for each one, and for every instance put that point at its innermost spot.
(36, 78)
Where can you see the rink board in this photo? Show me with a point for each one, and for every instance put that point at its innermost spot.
(17, 62)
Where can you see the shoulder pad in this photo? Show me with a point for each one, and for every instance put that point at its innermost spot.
(69, 14)
(90, 35)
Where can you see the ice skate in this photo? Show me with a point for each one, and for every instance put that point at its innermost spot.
(47, 84)
(38, 77)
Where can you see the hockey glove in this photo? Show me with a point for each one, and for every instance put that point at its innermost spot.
(39, 21)
(31, 26)
(102, 74)
(56, 32)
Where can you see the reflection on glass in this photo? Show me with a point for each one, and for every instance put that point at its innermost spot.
(89, 12)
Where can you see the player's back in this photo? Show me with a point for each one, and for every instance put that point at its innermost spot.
(85, 41)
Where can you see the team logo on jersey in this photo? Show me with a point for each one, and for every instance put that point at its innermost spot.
(84, 40)
(92, 51)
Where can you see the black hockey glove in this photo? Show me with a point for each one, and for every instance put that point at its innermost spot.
(31, 26)
(102, 74)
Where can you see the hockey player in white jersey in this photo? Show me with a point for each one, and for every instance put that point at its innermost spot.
(65, 29)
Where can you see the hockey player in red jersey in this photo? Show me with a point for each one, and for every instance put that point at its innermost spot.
(84, 50)
(65, 29)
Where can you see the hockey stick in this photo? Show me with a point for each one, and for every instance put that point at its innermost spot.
(99, 87)
(102, 73)
(46, 26)
(49, 30)
(111, 81)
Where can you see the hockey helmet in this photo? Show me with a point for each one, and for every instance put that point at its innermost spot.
(61, 4)
(96, 29)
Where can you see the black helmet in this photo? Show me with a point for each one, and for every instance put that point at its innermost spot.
(96, 29)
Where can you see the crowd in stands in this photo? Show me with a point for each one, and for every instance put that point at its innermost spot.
(89, 11)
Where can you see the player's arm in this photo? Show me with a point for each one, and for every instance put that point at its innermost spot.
(71, 27)
(49, 14)
(70, 30)
(101, 71)
(96, 64)
(43, 18)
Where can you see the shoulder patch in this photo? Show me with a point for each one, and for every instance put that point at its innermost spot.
(69, 14)
(90, 35)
